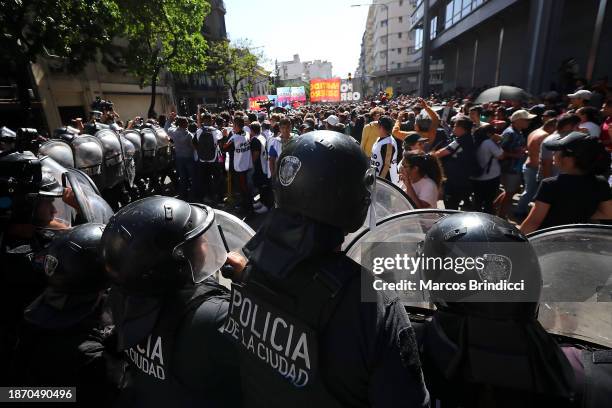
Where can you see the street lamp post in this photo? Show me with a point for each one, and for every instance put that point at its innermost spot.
(386, 6)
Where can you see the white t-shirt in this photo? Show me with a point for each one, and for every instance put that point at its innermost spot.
(242, 152)
(593, 129)
(427, 191)
(488, 151)
(379, 162)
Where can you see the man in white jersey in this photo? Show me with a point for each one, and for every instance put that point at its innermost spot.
(240, 143)
(384, 151)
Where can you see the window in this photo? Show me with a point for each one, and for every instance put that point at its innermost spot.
(457, 10)
(433, 28)
(383, 23)
(399, 50)
(467, 8)
(410, 50)
(399, 35)
(401, 19)
(401, 2)
(418, 38)
(449, 14)
(399, 65)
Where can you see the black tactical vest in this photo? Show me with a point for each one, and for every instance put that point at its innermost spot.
(276, 326)
(151, 381)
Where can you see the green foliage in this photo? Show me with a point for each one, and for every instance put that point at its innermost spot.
(164, 34)
(234, 63)
(71, 29)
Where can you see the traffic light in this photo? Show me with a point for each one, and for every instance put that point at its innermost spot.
(350, 77)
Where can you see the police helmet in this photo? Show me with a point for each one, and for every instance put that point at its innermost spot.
(93, 128)
(158, 244)
(500, 254)
(73, 263)
(325, 176)
(50, 187)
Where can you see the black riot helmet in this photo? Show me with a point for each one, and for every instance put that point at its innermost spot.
(20, 181)
(499, 253)
(73, 263)
(325, 176)
(160, 244)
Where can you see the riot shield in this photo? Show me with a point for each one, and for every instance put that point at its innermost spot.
(129, 164)
(113, 169)
(59, 150)
(134, 137)
(405, 230)
(149, 149)
(388, 199)
(92, 206)
(64, 214)
(235, 232)
(576, 262)
(163, 155)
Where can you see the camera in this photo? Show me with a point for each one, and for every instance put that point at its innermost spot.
(20, 177)
(27, 140)
(101, 105)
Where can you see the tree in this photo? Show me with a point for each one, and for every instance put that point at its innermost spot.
(73, 30)
(235, 64)
(164, 34)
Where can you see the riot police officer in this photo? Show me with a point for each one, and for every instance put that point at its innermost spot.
(20, 281)
(484, 349)
(161, 253)
(305, 336)
(62, 340)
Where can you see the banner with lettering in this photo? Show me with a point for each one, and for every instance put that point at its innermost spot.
(254, 102)
(283, 96)
(325, 90)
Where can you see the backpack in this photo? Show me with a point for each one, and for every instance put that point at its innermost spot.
(206, 145)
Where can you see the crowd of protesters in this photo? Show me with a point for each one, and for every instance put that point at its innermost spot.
(539, 163)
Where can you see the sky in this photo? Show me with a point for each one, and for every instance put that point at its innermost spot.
(315, 29)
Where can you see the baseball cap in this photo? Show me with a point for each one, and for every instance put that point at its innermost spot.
(581, 94)
(414, 137)
(521, 114)
(537, 109)
(332, 120)
(574, 142)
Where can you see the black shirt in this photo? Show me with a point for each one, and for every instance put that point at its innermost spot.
(258, 175)
(573, 199)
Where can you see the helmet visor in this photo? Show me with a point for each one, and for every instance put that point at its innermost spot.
(203, 255)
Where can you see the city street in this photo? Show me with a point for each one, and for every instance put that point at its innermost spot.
(223, 203)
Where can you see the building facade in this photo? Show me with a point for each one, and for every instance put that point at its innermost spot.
(538, 45)
(304, 70)
(389, 49)
(203, 89)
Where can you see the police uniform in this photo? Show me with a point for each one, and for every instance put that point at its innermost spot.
(496, 353)
(305, 336)
(61, 342)
(166, 307)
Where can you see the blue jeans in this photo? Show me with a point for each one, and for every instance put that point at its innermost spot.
(185, 167)
(531, 187)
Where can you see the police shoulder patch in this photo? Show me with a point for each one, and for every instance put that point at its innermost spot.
(50, 264)
(288, 169)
